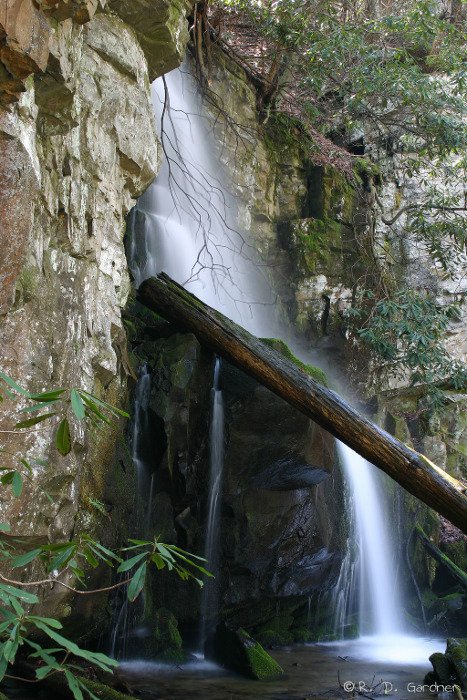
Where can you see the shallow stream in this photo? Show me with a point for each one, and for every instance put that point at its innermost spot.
(311, 672)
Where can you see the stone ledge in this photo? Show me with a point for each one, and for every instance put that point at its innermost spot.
(24, 46)
(161, 29)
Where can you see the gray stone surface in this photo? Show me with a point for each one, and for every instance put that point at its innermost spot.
(76, 149)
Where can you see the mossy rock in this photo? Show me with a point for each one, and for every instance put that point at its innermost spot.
(314, 245)
(364, 166)
(456, 650)
(167, 638)
(314, 372)
(271, 639)
(434, 605)
(443, 668)
(102, 691)
(302, 635)
(172, 656)
(430, 678)
(457, 552)
(237, 651)
(281, 622)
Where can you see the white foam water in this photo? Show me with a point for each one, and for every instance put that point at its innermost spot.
(186, 224)
(397, 649)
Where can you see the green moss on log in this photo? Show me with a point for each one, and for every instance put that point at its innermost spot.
(314, 372)
(457, 553)
(261, 664)
(436, 553)
(237, 651)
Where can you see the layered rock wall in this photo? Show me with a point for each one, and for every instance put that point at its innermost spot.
(77, 146)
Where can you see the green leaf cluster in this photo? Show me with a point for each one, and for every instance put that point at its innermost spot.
(83, 405)
(16, 602)
(184, 564)
(405, 334)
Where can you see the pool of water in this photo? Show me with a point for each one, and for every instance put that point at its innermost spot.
(390, 650)
(330, 671)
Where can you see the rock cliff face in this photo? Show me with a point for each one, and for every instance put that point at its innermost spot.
(281, 533)
(282, 540)
(310, 224)
(77, 146)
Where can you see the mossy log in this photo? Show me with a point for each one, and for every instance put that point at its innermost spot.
(457, 573)
(410, 469)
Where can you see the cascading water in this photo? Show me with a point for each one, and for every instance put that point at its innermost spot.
(367, 593)
(186, 225)
(379, 605)
(139, 430)
(209, 601)
(186, 222)
(345, 596)
(127, 616)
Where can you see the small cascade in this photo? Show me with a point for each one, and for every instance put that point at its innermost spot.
(128, 615)
(209, 601)
(367, 581)
(139, 431)
(345, 595)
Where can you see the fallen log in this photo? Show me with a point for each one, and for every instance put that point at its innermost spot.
(410, 469)
(457, 573)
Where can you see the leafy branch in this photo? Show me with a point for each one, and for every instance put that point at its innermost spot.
(74, 556)
(405, 334)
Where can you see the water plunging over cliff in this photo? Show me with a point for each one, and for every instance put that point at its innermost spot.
(379, 604)
(209, 601)
(186, 222)
(367, 592)
(186, 225)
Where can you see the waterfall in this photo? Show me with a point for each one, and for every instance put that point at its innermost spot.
(186, 224)
(367, 591)
(209, 601)
(128, 616)
(373, 573)
(345, 596)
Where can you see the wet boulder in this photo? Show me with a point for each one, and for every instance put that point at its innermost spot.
(450, 668)
(456, 650)
(236, 650)
(167, 639)
(443, 668)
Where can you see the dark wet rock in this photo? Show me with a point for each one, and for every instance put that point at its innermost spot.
(279, 537)
(443, 668)
(163, 518)
(237, 651)
(456, 650)
(279, 508)
(167, 638)
(272, 639)
(430, 678)
(288, 474)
